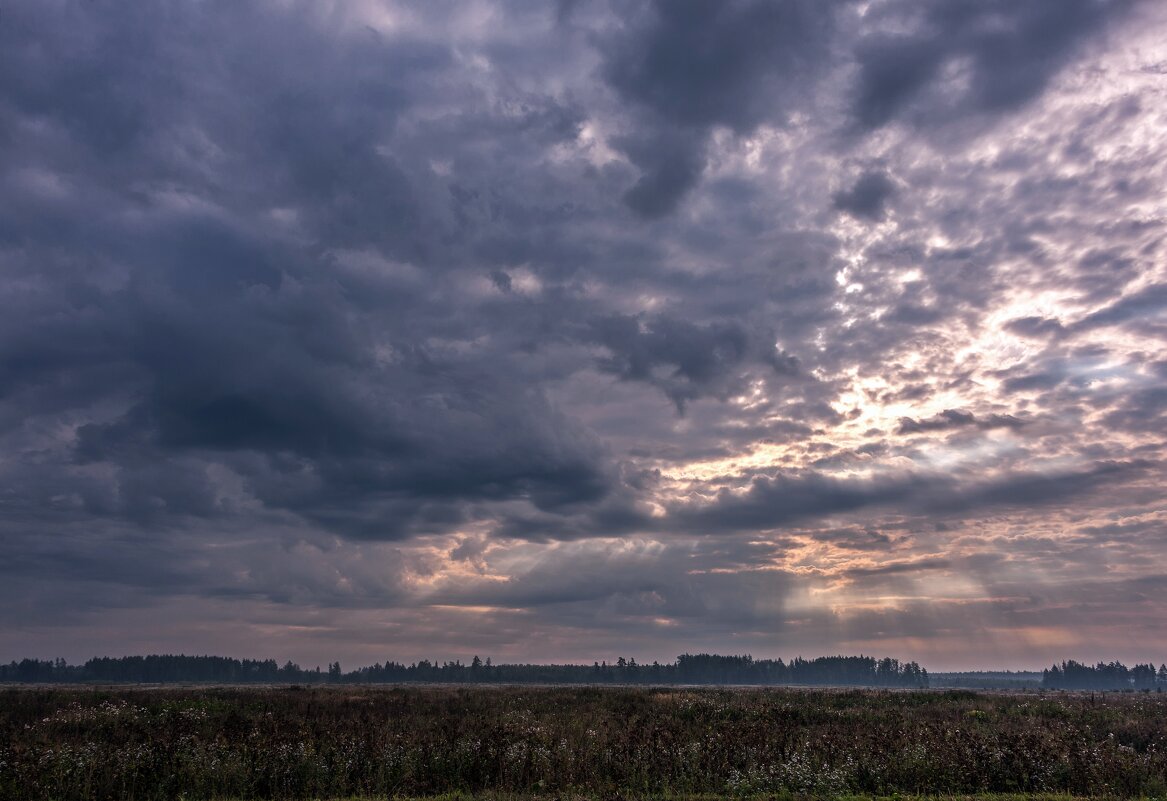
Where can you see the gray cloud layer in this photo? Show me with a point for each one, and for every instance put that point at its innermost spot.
(554, 328)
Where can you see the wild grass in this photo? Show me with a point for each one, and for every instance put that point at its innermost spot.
(575, 742)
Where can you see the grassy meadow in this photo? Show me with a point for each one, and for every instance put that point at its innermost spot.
(575, 742)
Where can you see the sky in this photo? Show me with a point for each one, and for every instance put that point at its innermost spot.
(557, 332)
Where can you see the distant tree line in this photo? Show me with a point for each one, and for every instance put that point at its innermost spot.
(1073, 675)
(687, 669)
(161, 670)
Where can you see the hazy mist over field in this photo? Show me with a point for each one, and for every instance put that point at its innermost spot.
(562, 331)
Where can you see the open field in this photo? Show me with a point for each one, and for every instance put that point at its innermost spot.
(81, 743)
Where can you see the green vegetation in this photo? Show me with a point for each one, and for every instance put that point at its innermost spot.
(574, 742)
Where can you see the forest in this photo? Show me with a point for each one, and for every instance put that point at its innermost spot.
(1071, 675)
(687, 669)
(835, 671)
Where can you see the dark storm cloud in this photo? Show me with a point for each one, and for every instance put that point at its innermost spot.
(359, 467)
(622, 586)
(671, 163)
(307, 372)
(147, 94)
(685, 360)
(692, 65)
(1144, 309)
(335, 319)
(775, 501)
(1030, 381)
(1147, 305)
(701, 63)
(957, 418)
(1142, 411)
(893, 568)
(1038, 327)
(854, 539)
(1004, 52)
(867, 198)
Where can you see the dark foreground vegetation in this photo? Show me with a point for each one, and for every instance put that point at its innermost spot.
(827, 671)
(593, 742)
